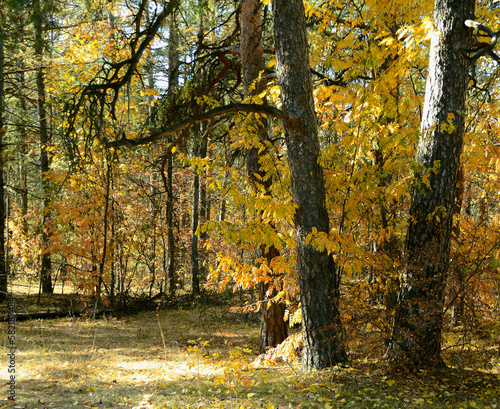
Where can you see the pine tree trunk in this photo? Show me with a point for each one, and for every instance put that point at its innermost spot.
(46, 261)
(173, 76)
(195, 265)
(319, 277)
(199, 150)
(458, 276)
(23, 172)
(170, 228)
(418, 321)
(273, 328)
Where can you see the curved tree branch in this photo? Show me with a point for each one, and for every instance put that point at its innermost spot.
(113, 81)
(482, 49)
(219, 111)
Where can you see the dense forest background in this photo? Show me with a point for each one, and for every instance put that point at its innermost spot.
(146, 154)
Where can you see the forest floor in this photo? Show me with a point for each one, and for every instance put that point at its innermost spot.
(203, 357)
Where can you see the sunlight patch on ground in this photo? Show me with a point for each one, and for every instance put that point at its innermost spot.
(112, 363)
(167, 370)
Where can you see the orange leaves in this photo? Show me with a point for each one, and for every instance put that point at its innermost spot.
(231, 271)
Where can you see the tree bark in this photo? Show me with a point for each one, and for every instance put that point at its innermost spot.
(319, 277)
(458, 276)
(23, 172)
(3, 269)
(273, 328)
(199, 150)
(418, 321)
(195, 265)
(46, 261)
(106, 217)
(173, 78)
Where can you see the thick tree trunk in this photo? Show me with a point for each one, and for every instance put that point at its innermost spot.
(418, 321)
(3, 269)
(319, 277)
(46, 261)
(273, 328)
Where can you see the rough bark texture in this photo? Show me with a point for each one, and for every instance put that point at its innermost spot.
(416, 335)
(273, 328)
(3, 270)
(318, 276)
(46, 261)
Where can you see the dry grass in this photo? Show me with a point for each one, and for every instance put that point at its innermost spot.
(112, 362)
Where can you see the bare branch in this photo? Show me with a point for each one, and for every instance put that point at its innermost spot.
(114, 82)
(481, 50)
(219, 111)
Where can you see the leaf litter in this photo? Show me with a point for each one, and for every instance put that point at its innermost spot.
(208, 359)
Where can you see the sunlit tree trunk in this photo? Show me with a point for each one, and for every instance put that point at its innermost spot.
(319, 277)
(46, 261)
(3, 269)
(418, 321)
(273, 328)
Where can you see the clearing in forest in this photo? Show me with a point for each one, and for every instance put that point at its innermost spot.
(205, 359)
